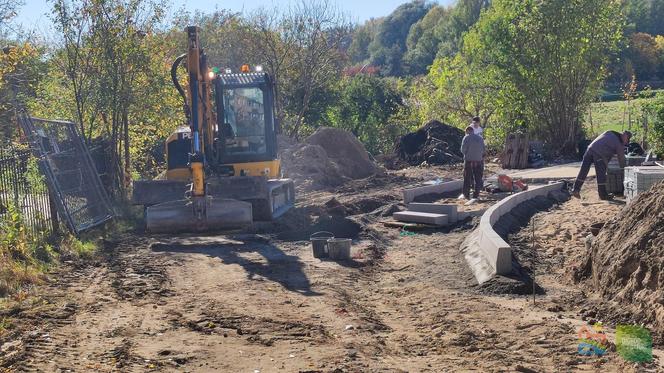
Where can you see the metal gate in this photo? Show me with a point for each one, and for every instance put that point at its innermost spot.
(65, 161)
(22, 188)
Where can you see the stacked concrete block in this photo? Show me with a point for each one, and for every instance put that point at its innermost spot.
(410, 194)
(431, 213)
(640, 179)
(434, 208)
(421, 217)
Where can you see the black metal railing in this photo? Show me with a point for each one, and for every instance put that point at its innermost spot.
(23, 190)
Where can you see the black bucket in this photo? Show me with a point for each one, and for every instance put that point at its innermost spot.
(319, 243)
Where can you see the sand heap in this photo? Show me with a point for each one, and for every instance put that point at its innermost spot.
(328, 158)
(434, 143)
(627, 257)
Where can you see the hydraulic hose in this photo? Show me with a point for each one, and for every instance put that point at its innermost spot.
(176, 83)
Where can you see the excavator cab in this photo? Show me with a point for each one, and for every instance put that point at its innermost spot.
(246, 144)
(223, 171)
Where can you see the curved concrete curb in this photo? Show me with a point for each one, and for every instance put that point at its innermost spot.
(485, 251)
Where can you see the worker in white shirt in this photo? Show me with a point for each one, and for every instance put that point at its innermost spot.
(476, 126)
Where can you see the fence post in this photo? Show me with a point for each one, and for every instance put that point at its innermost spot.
(54, 213)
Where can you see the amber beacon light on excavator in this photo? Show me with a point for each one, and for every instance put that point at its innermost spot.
(223, 171)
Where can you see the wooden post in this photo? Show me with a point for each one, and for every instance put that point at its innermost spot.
(54, 214)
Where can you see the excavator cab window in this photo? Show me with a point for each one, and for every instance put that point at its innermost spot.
(243, 127)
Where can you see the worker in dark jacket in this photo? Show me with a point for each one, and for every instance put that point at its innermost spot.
(599, 153)
(472, 148)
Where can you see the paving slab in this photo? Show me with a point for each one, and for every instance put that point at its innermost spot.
(421, 217)
(410, 194)
(436, 208)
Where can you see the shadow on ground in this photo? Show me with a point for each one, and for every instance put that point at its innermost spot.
(271, 263)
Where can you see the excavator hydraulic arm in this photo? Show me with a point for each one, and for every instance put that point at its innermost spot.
(198, 211)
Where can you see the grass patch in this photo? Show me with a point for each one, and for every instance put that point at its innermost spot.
(78, 248)
(25, 258)
(614, 116)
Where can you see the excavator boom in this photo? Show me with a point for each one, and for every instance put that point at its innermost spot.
(197, 210)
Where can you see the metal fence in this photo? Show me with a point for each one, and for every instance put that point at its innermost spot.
(64, 159)
(22, 188)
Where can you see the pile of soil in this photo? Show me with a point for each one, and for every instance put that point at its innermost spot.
(435, 143)
(328, 158)
(626, 261)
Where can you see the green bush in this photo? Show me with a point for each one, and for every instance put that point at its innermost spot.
(365, 107)
(656, 135)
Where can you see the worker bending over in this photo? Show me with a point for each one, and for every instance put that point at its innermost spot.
(599, 153)
(472, 148)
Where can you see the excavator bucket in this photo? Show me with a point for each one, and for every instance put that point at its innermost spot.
(203, 214)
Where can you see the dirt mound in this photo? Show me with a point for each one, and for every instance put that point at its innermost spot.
(626, 260)
(328, 158)
(434, 143)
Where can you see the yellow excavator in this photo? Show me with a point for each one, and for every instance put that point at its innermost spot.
(223, 171)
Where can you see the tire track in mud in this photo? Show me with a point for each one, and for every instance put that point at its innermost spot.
(137, 274)
(50, 337)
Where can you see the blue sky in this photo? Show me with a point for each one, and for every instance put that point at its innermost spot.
(32, 14)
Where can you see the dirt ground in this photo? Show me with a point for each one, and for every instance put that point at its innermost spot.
(259, 301)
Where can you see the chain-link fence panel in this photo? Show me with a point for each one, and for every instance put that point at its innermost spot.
(65, 160)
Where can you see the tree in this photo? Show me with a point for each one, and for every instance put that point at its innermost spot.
(422, 43)
(644, 55)
(451, 30)
(554, 53)
(8, 9)
(358, 52)
(389, 44)
(364, 107)
(21, 66)
(228, 38)
(108, 56)
(458, 89)
(656, 138)
(302, 48)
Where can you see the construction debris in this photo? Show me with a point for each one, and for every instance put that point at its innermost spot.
(627, 258)
(435, 144)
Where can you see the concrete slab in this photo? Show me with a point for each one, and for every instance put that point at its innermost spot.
(476, 259)
(544, 174)
(436, 208)
(421, 217)
(463, 215)
(410, 194)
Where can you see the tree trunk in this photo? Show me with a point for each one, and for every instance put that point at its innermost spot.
(127, 158)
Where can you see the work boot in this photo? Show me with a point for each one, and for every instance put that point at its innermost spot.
(603, 195)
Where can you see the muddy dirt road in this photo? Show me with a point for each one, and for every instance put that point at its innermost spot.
(260, 303)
